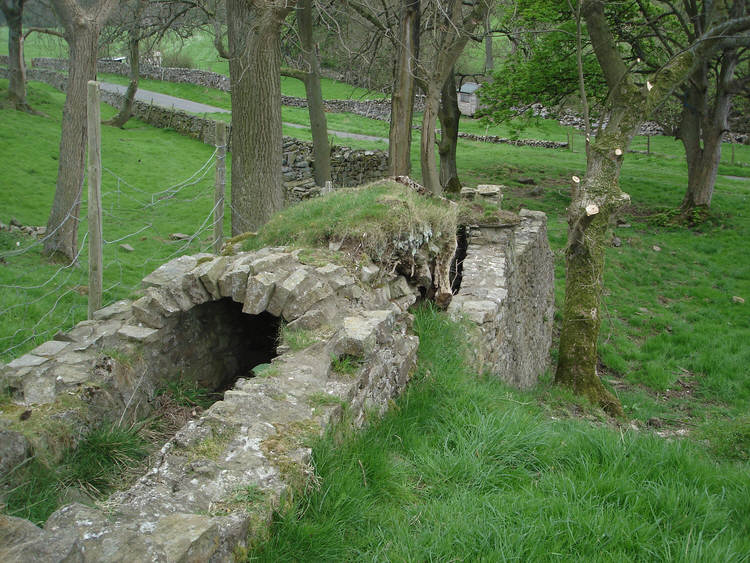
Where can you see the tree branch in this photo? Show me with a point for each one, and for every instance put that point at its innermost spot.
(31, 30)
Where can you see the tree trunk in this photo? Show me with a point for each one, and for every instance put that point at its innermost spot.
(13, 12)
(318, 124)
(430, 177)
(62, 226)
(449, 116)
(701, 128)
(254, 67)
(588, 218)
(489, 60)
(126, 111)
(402, 97)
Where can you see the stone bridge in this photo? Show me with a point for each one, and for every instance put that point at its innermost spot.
(215, 321)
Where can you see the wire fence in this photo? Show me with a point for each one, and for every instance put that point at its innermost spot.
(143, 227)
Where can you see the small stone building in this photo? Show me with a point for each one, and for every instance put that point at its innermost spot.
(468, 98)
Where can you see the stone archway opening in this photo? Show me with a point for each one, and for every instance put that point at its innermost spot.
(216, 343)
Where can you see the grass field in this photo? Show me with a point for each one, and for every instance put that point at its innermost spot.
(464, 467)
(148, 194)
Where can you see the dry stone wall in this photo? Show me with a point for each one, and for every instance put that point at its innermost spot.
(349, 167)
(507, 290)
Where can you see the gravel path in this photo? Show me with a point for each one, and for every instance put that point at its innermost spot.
(166, 101)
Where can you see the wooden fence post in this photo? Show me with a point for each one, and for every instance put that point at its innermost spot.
(220, 184)
(93, 127)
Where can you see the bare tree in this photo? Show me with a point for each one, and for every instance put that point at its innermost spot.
(452, 24)
(13, 12)
(81, 30)
(310, 77)
(254, 70)
(133, 26)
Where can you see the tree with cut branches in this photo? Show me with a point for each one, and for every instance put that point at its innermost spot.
(598, 196)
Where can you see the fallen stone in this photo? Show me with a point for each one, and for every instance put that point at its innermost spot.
(127, 248)
(537, 191)
(368, 273)
(656, 248)
(179, 236)
(737, 300)
(527, 181)
(616, 242)
(468, 193)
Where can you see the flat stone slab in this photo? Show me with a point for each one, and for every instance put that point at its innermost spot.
(50, 348)
(138, 333)
(27, 361)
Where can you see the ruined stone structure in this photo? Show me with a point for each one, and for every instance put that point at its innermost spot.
(507, 276)
(215, 320)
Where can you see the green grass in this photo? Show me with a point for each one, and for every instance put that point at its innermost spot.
(346, 365)
(187, 393)
(145, 199)
(296, 339)
(672, 347)
(370, 218)
(95, 466)
(464, 468)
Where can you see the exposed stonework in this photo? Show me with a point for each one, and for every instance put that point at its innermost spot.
(190, 324)
(507, 290)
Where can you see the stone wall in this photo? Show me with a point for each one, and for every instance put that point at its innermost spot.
(194, 322)
(349, 167)
(182, 75)
(507, 290)
(376, 109)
